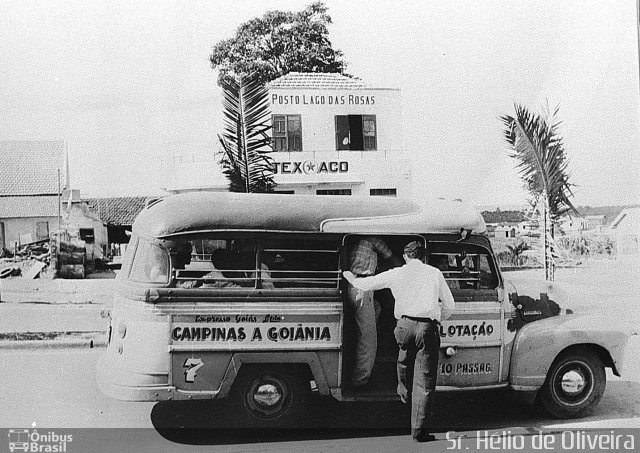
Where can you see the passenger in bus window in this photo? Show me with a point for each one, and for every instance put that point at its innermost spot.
(442, 263)
(221, 261)
(363, 261)
(246, 262)
(181, 258)
(265, 273)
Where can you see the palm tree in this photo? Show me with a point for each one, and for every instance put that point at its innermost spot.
(542, 164)
(246, 146)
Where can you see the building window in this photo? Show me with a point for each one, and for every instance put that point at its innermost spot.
(284, 192)
(383, 192)
(87, 235)
(42, 230)
(287, 133)
(356, 132)
(333, 192)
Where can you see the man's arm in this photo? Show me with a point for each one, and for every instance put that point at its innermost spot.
(445, 296)
(372, 283)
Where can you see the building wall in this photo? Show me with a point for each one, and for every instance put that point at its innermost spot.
(320, 166)
(318, 109)
(15, 228)
(626, 233)
(81, 217)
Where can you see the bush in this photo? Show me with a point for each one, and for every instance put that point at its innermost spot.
(585, 245)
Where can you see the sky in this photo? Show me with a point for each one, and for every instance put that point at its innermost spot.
(128, 86)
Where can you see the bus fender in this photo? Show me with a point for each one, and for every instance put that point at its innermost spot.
(538, 344)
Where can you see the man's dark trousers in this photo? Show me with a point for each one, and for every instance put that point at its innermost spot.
(419, 343)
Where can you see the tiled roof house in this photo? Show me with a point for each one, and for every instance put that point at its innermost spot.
(120, 211)
(117, 214)
(31, 175)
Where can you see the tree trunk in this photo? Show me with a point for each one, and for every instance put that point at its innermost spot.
(547, 241)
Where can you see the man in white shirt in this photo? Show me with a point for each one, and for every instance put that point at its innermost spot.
(417, 288)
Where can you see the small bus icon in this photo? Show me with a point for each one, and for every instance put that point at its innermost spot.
(18, 440)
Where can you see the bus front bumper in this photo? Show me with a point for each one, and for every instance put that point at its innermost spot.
(128, 385)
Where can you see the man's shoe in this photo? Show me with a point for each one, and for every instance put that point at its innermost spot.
(424, 438)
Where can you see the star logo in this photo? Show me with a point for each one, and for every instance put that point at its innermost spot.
(309, 167)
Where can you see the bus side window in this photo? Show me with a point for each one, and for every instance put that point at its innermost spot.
(464, 266)
(302, 263)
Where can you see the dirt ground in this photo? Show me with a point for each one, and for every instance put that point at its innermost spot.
(58, 291)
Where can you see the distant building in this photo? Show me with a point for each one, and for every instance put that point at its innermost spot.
(506, 231)
(82, 227)
(118, 215)
(32, 176)
(578, 224)
(594, 222)
(101, 225)
(527, 228)
(625, 231)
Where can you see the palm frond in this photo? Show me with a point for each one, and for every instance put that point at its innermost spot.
(542, 164)
(246, 145)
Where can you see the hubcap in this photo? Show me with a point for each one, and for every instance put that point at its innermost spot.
(573, 382)
(267, 395)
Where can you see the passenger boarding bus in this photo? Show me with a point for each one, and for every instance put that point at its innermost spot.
(241, 296)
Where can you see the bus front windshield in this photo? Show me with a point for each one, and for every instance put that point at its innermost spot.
(150, 263)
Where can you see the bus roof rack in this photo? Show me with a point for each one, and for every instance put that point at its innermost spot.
(194, 212)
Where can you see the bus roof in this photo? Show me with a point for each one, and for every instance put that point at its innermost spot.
(209, 211)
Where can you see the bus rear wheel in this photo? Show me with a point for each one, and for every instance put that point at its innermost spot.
(271, 395)
(575, 382)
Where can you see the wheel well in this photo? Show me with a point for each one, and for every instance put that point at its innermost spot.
(602, 353)
(302, 368)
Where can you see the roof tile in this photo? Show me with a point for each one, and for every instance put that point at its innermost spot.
(117, 211)
(317, 80)
(31, 167)
(17, 207)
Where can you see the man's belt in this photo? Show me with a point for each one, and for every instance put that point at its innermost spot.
(415, 318)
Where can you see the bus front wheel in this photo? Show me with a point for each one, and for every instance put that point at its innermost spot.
(271, 395)
(575, 383)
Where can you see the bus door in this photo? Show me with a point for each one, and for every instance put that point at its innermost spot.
(383, 379)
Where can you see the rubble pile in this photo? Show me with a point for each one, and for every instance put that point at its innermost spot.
(27, 261)
(36, 259)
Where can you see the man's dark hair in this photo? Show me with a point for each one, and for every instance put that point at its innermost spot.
(414, 250)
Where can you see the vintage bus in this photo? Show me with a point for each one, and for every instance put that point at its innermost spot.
(242, 296)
